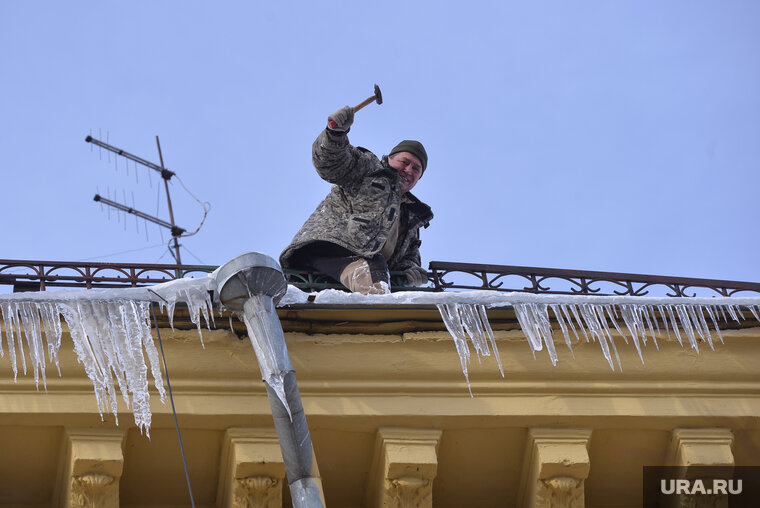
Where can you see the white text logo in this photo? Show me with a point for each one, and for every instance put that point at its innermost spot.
(715, 486)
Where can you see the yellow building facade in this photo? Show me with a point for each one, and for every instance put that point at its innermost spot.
(391, 418)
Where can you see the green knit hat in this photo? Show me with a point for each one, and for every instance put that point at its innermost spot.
(413, 147)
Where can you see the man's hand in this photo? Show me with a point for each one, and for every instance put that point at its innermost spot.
(416, 276)
(341, 120)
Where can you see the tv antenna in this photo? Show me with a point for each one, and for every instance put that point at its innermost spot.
(175, 230)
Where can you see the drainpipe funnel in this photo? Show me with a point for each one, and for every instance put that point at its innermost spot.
(249, 286)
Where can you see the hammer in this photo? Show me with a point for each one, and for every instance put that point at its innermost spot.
(377, 97)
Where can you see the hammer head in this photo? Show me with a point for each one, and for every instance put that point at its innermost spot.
(378, 95)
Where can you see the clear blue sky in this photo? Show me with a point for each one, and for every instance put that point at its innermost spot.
(616, 136)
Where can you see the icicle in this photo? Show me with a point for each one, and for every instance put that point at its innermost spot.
(150, 349)
(31, 323)
(109, 338)
(723, 313)
(264, 345)
(129, 352)
(574, 309)
(53, 332)
(754, 313)
(732, 313)
(9, 315)
(652, 318)
(534, 321)
(471, 323)
(674, 324)
(698, 311)
(613, 314)
(592, 322)
(686, 325)
(664, 319)
(599, 310)
(84, 352)
(715, 322)
(563, 327)
(450, 315)
(92, 322)
(633, 323)
(462, 320)
(19, 341)
(491, 338)
(570, 321)
(695, 322)
(546, 330)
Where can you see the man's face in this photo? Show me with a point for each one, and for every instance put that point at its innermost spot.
(409, 169)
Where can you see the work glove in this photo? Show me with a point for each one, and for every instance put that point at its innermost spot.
(416, 276)
(341, 120)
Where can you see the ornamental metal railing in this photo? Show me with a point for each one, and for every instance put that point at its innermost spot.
(25, 275)
(451, 276)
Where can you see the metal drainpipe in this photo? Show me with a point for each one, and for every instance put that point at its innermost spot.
(249, 286)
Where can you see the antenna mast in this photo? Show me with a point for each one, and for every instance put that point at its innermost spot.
(165, 174)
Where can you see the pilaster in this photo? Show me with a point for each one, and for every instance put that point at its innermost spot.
(701, 447)
(252, 471)
(404, 465)
(555, 468)
(91, 467)
(701, 454)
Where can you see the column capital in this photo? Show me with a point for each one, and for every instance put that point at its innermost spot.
(91, 468)
(404, 465)
(709, 446)
(251, 471)
(555, 468)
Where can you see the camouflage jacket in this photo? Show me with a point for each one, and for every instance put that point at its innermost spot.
(361, 207)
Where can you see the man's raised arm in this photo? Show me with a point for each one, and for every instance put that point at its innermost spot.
(334, 158)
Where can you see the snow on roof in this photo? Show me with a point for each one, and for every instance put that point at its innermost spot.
(108, 326)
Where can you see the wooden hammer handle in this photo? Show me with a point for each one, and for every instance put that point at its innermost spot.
(356, 108)
(377, 97)
(366, 101)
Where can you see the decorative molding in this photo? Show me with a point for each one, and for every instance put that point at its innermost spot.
(91, 466)
(404, 466)
(257, 492)
(408, 491)
(693, 452)
(251, 471)
(92, 490)
(560, 491)
(701, 447)
(555, 468)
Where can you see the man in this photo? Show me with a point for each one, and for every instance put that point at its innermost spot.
(369, 222)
